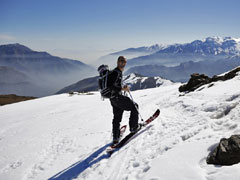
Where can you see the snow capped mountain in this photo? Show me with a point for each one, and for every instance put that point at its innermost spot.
(210, 48)
(134, 81)
(137, 81)
(217, 45)
(65, 137)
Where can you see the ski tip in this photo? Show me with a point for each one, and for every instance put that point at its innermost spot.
(157, 111)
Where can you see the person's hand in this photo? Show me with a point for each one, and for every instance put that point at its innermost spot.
(125, 88)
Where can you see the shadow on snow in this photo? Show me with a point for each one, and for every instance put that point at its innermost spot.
(77, 168)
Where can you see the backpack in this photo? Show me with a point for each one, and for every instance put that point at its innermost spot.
(102, 81)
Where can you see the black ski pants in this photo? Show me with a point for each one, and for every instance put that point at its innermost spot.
(120, 104)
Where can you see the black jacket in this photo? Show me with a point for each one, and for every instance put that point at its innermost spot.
(114, 82)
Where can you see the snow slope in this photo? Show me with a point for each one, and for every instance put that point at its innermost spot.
(65, 137)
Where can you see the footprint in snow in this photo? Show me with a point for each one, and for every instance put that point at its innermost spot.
(233, 97)
(136, 164)
(145, 169)
(15, 165)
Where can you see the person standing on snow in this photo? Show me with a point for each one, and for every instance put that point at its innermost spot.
(119, 102)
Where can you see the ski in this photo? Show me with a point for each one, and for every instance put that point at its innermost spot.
(125, 140)
(122, 130)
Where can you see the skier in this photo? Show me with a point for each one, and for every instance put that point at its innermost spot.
(119, 102)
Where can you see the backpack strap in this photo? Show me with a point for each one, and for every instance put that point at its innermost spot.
(117, 75)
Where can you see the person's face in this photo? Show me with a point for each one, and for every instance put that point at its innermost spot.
(122, 63)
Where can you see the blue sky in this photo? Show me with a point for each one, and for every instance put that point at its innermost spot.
(86, 29)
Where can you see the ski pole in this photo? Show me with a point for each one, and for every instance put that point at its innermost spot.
(135, 105)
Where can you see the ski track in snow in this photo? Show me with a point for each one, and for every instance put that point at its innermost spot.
(74, 150)
(181, 119)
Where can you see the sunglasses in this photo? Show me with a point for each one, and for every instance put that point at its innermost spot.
(124, 61)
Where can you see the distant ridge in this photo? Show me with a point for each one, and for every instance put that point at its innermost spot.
(134, 81)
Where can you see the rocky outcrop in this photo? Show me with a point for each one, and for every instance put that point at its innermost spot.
(227, 76)
(195, 82)
(198, 80)
(227, 152)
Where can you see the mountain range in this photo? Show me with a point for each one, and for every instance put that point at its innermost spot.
(210, 48)
(182, 72)
(43, 73)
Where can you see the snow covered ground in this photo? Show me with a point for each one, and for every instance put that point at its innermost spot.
(65, 137)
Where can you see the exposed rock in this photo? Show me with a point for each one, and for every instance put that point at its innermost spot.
(198, 80)
(195, 82)
(227, 152)
(12, 98)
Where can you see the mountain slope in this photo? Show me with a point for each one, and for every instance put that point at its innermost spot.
(88, 84)
(11, 75)
(65, 137)
(16, 82)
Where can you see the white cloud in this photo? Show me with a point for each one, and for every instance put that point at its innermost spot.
(86, 55)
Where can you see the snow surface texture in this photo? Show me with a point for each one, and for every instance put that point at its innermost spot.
(65, 137)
